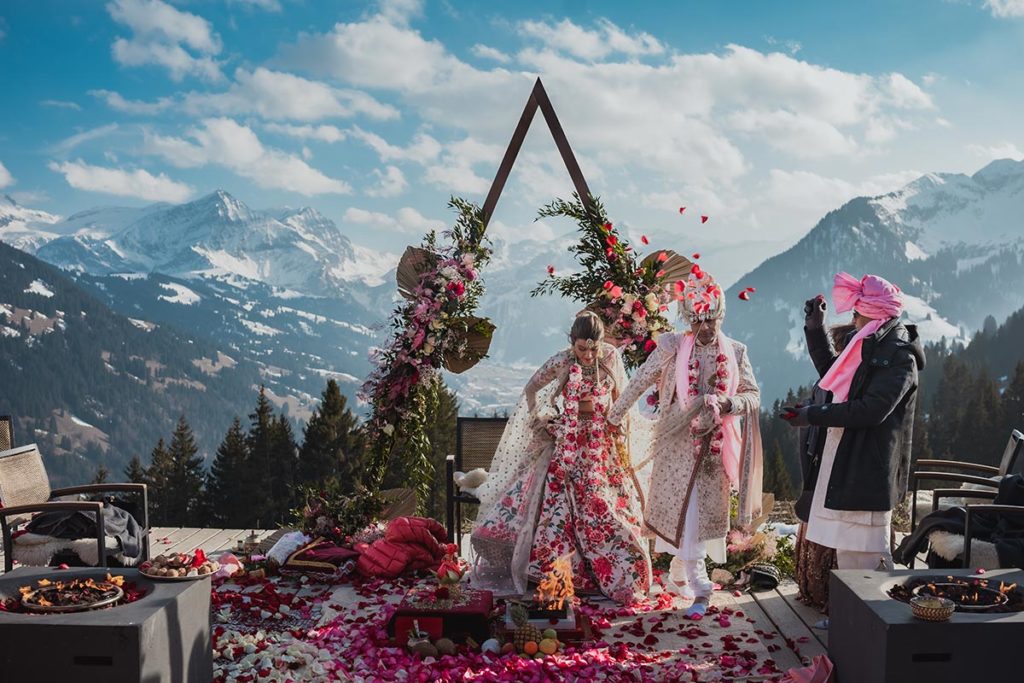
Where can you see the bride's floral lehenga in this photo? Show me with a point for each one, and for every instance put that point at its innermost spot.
(563, 484)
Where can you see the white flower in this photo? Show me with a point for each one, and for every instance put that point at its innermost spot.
(449, 273)
(651, 301)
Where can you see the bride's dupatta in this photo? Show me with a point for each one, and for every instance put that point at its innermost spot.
(510, 498)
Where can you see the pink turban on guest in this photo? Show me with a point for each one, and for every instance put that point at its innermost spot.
(872, 296)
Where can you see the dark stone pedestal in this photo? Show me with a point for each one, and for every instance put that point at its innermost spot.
(874, 639)
(162, 638)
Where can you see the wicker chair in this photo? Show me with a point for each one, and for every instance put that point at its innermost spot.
(6, 432)
(476, 440)
(25, 490)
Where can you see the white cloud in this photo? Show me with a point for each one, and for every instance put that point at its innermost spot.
(1006, 8)
(30, 197)
(1002, 150)
(682, 118)
(137, 183)
(224, 142)
(323, 133)
(572, 39)
(6, 178)
(118, 102)
(800, 136)
(268, 5)
(68, 144)
(790, 46)
(793, 201)
(422, 149)
(400, 12)
(157, 19)
(905, 94)
(61, 104)
(279, 95)
(390, 182)
(487, 52)
(454, 172)
(407, 220)
(160, 35)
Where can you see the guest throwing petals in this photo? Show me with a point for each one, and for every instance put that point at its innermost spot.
(865, 463)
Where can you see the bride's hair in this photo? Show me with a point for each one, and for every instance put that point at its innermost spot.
(587, 325)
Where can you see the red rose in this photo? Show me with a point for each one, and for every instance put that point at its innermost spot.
(612, 240)
(650, 345)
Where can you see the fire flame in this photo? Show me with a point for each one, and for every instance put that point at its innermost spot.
(75, 585)
(556, 586)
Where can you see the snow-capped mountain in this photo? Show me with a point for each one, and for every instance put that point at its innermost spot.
(954, 244)
(217, 235)
(24, 228)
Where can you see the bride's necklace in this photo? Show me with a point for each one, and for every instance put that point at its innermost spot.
(588, 370)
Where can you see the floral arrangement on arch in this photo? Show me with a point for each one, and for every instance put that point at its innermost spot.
(630, 294)
(433, 327)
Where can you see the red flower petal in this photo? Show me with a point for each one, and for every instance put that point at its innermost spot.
(607, 227)
(551, 270)
(745, 295)
(696, 256)
(612, 240)
(660, 273)
(662, 257)
(608, 284)
(682, 208)
(643, 238)
(703, 219)
(651, 640)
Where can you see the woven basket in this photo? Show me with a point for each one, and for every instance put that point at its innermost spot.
(924, 607)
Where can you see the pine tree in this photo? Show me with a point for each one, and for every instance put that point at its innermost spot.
(135, 472)
(978, 439)
(948, 408)
(282, 471)
(332, 445)
(186, 479)
(441, 432)
(158, 476)
(1012, 403)
(226, 502)
(260, 443)
(101, 476)
(776, 475)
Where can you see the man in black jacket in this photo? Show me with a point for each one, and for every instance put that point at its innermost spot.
(866, 458)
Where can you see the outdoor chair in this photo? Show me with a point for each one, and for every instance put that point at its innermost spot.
(1012, 462)
(476, 440)
(25, 491)
(6, 432)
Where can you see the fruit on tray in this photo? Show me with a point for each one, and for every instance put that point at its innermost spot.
(175, 565)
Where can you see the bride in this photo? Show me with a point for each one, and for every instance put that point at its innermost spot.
(561, 483)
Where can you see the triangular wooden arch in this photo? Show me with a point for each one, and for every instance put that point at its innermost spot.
(538, 99)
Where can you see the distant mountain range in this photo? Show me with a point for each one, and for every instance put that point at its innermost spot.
(286, 294)
(953, 243)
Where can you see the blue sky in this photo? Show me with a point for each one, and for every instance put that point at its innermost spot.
(764, 115)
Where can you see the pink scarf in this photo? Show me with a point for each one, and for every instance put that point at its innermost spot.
(840, 375)
(730, 424)
(873, 297)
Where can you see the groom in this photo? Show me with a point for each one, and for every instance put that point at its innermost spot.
(706, 438)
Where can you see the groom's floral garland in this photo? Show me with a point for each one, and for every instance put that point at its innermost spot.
(428, 328)
(720, 385)
(628, 294)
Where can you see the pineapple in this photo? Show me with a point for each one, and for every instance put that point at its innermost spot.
(524, 631)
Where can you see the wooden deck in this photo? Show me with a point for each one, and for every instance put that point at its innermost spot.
(164, 540)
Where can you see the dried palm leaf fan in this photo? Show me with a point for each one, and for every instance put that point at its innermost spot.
(475, 340)
(675, 266)
(414, 262)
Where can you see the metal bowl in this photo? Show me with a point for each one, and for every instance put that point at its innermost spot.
(931, 608)
(115, 595)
